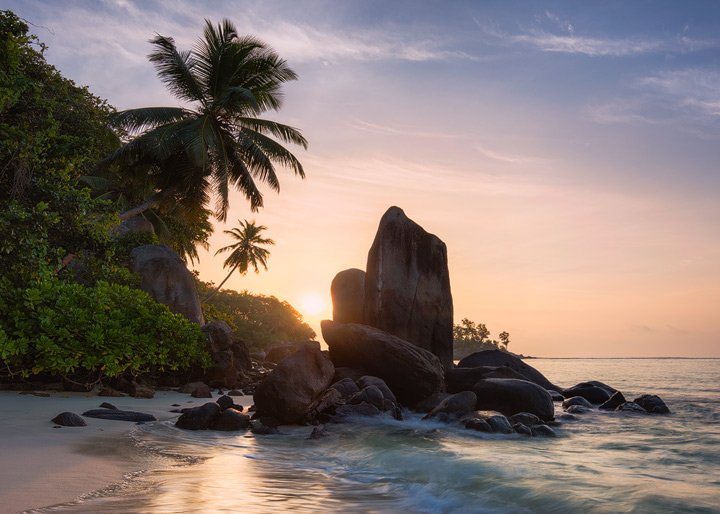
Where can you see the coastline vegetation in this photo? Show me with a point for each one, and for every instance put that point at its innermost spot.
(470, 337)
(69, 307)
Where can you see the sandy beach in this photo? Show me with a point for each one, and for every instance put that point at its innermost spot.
(41, 465)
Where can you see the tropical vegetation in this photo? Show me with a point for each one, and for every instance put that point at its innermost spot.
(470, 337)
(69, 307)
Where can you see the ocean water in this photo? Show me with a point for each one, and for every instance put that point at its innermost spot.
(605, 462)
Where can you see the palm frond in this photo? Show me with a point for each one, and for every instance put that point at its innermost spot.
(144, 118)
(175, 69)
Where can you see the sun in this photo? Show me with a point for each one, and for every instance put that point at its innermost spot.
(312, 304)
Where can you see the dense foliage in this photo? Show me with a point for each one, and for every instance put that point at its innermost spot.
(261, 321)
(65, 302)
(470, 337)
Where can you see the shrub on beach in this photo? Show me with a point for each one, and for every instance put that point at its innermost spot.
(68, 329)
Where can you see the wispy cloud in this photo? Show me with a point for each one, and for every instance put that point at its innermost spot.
(590, 46)
(509, 157)
(694, 89)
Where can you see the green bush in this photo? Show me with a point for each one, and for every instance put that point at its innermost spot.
(63, 328)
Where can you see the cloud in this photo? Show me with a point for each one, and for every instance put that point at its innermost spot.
(508, 157)
(695, 90)
(593, 47)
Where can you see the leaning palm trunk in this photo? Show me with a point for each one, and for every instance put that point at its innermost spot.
(214, 291)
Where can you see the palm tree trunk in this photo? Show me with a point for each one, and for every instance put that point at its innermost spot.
(221, 284)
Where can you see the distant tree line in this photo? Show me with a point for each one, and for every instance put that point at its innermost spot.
(470, 337)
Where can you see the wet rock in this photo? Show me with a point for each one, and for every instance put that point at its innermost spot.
(367, 380)
(429, 403)
(410, 372)
(631, 407)
(318, 433)
(495, 358)
(259, 428)
(614, 402)
(511, 396)
(235, 392)
(477, 424)
(652, 403)
(590, 391)
(360, 409)
(370, 394)
(407, 286)
(499, 424)
(346, 387)
(288, 391)
(69, 419)
(543, 431)
(522, 429)
(229, 420)
(556, 396)
(341, 373)
(196, 389)
(576, 400)
(198, 418)
(225, 402)
(578, 409)
(348, 296)
(455, 406)
(463, 379)
(567, 417)
(106, 405)
(525, 418)
(325, 406)
(119, 415)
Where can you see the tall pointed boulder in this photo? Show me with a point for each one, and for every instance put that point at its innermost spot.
(407, 285)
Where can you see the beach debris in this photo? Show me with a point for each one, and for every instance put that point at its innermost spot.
(69, 419)
(119, 415)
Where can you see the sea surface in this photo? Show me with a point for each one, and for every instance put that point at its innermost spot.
(605, 462)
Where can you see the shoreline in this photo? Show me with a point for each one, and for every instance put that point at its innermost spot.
(42, 466)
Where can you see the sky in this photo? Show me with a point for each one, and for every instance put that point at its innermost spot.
(565, 152)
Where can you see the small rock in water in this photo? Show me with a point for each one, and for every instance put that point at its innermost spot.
(525, 418)
(591, 391)
(235, 392)
(522, 429)
(69, 419)
(499, 423)
(556, 396)
(543, 431)
(346, 387)
(478, 424)
(567, 417)
(258, 428)
(198, 418)
(652, 403)
(631, 407)
(576, 400)
(106, 405)
(318, 432)
(614, 402)
(578, 409)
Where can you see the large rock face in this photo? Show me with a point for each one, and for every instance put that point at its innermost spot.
(499, 358)
(511, 396)
(411, 372)
(288, 391)
(407, 286)
(165, 278)
(348, 296)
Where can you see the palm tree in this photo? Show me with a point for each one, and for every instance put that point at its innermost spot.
(217, 141)
(246, 252)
